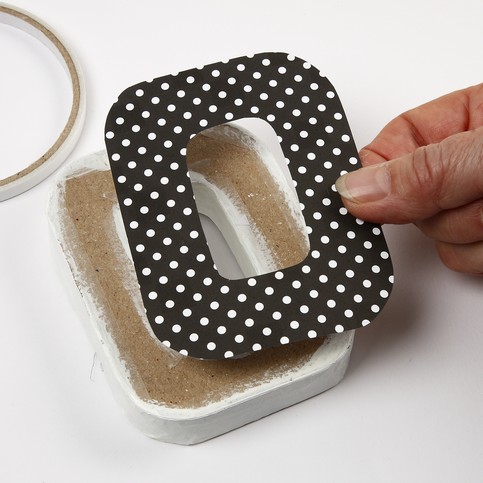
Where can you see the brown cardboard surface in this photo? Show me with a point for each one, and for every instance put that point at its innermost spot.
(157, 373)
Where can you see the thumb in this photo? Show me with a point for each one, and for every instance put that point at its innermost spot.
(418, 185)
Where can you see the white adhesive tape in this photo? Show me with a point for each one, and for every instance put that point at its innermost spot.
(40, 169)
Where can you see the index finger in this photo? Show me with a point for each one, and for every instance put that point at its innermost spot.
(427, 124)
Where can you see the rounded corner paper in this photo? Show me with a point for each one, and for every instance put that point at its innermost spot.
(347, 276)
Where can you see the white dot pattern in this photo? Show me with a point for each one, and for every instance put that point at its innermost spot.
(189, 305)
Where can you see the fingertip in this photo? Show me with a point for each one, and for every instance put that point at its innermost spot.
(365, 184)
(342, 189)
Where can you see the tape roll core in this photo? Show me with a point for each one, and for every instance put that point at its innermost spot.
(41, 168)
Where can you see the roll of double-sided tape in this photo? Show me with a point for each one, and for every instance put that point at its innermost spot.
(41, 168)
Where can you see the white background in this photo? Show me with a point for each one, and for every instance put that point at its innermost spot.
(411, 405)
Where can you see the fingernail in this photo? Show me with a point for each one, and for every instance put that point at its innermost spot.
(366, 184)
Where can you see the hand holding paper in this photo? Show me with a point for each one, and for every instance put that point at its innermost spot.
(426, 167)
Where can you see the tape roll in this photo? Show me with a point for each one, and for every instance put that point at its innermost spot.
(41, 168)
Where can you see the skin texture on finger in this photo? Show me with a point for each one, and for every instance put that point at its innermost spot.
(427, 124)
(420, 184)
(462, 258)
(458, 226)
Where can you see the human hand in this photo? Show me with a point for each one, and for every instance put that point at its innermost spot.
(426, 167)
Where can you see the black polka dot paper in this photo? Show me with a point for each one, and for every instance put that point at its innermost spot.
(347, 276)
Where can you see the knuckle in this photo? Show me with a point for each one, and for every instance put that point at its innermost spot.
(427, 174)
(468, 157)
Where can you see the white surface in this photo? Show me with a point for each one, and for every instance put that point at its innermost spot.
(411, 405)
(324, 369)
